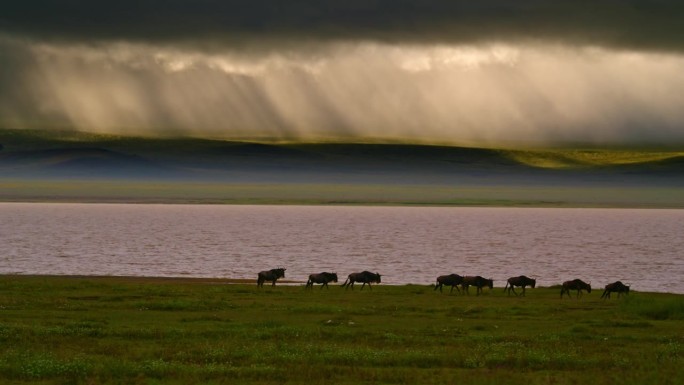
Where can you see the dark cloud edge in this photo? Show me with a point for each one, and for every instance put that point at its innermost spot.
(213, 24)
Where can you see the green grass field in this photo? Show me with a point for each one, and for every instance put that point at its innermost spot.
(129, 191)
(68, 330)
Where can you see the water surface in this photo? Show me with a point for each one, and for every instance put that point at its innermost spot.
(405, 244)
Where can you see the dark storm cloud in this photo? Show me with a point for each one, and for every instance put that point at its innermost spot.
(627, 24)
(461, 71)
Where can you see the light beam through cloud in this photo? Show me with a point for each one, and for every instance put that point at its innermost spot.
(353, 91)
(448, 71)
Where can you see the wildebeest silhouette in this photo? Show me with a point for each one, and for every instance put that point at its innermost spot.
(476, 281)
(270, 275)
(521, 281)
(323, 278)
(575, 284)
(365, 276)
(615, 287)
(452, 280)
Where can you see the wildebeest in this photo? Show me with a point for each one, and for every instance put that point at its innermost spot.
(270, 275)
(476, 281)
(522, 281)
(575, 284)
(365, 276)
(615, 287)
(452, 280)
(323, 278)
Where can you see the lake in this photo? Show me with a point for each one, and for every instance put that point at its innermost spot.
(644, 248)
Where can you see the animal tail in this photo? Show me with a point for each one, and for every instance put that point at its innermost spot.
(345, 283)
(506, 287)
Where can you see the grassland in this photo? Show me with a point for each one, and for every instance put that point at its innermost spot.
(587, 158)
(89, 330)
(138, 191)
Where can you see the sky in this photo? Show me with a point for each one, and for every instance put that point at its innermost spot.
(482, 72)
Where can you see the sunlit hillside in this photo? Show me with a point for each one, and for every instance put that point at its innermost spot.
(73, 166)
(579, 158)
(63, 153)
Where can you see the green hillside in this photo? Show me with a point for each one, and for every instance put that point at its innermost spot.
(49, 148)
(74, 166)
(587, 158)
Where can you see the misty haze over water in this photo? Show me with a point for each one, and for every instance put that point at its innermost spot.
(405, 244)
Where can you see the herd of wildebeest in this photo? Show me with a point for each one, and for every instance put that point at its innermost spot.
(453, 280)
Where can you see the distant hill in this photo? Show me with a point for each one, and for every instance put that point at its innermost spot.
(67, 154)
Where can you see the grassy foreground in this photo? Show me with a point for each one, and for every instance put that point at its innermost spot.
(68, 330)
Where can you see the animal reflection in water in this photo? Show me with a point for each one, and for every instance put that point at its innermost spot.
(478, 282)
(452, 280)
(521, 281)
(366, 277)
(575, 284)
(615, 287)
(322, 278)
(270, 275)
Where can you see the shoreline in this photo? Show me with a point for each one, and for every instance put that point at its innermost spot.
(341, 194)
(155, 280)
(148, 279)
(355, 203)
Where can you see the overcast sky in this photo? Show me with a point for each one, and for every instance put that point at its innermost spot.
(465, 72)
